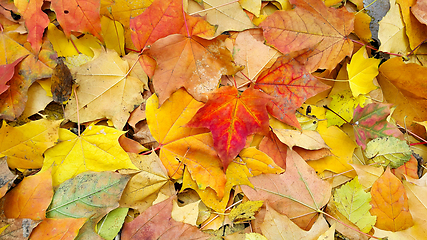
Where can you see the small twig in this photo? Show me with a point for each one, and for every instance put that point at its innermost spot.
(78, 114)
(413, 134)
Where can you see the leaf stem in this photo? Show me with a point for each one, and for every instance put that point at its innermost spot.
(78, 114)
(389, 53)
(334, 80)
(337, 115)
(423, 141)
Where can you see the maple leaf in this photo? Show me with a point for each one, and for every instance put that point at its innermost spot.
(193, 63)
(35, 20)
(96, 87)
(24, 145)
(181, 145)
(308, 24)
(97, 149)
(390, 203)
(163, 18)
(290, 84)
(274, 148)
(370, 122)
(343, 103)
(79, 15)
(297, 193)
(7, 71)
(157, 223)
(241, 115)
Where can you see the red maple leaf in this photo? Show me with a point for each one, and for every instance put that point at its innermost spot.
(232, 117)
(290, 84)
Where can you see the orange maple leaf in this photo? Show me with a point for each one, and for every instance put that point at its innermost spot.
(231, 118)
(308, 24)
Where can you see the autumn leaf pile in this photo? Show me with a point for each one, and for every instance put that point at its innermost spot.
(212, 119)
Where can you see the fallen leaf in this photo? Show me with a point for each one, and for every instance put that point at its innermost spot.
(17, 229)
(6, 177)
(62, 82)
(25, 149)
(343, 103)
(308, 24)
(35, 21)
(109, 226)
(370, 122)
(80, 16)
(390, 203)
(310, 155)
(193, 63)
(96, 88)
(361, 26)
(227, 16)
(88, 195)
(290, 84)
(258, 162)
(361, 72)
(409, 168)
(415, 30)
(419, 11)
(245, 211)
(30, 198)
(37, 100)
(353, 202)
(64, 229)
(368, 174)
(97, 149)
(297, 193)
(7, 71)
(245, 114)
(157, 223)
(305, 139)
(273, 147)
(182, 145)
(388, 151)
(278, 226)
(186, 214)
(113, 34)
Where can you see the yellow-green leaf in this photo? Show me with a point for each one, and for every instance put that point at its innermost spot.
(353, 202)
(388, 151)
(361, 72)
(245, 211)
(343, 103)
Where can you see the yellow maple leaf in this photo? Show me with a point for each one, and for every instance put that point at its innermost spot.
(113, 34)
(99, 80)
(361, 72)
(97, 149)
(24, 145)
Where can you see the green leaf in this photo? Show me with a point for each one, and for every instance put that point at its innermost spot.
(245, 211)
(88, 195)
(388, 151)
(110, 224)
(353, 202)
(343, 103)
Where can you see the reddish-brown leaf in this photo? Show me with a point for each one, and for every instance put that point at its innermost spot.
(78, 15)
(290, 84)
(274, 148)
(390, 203)
(410, 168)
(163, 18)
(193, 63)
(232, 118)
(371, 122)
(297, 193)
(157, 223)
(61, 229)
(6, 73)
(35, 20)
(308, 24)
(30, 198)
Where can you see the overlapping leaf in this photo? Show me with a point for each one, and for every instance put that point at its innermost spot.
(388, 151)
(6, 73)
(97, 149)
(297, 193)
(370, 122)
(79, 15)
(290, 84)
(308, 24)
(390, 203)
(62, 228)
(193, 63)
(241, 115)
(181, 145)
